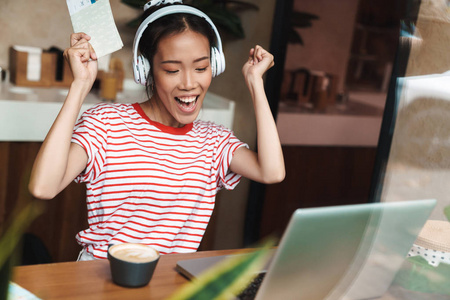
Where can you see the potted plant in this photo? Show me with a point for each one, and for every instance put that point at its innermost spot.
(222, 12)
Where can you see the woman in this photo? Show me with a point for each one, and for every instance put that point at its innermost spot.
(152, 171)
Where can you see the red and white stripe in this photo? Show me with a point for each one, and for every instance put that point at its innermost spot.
(149, 183)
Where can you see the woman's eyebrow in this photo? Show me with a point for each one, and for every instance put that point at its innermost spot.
(179, 62)
(201, 58)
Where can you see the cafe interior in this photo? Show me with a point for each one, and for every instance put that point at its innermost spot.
(359, 93)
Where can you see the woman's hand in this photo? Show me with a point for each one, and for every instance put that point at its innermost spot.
(82, 59)
(259, 61)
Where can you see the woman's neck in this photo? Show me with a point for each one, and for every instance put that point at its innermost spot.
(156, 112)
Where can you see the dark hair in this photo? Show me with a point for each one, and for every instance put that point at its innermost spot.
(171, 24)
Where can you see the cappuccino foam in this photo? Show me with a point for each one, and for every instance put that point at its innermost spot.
(137, 253)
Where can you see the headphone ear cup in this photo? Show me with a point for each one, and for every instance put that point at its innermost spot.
(146, 71)
(218, 61)
(222, 62)
(213, 62)
(142, 69)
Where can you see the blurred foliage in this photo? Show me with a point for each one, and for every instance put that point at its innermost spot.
(447, 212)
(10, 238)
(223, 13)
(227, 278)
(418, 275)
(11, 232)
(299, 20)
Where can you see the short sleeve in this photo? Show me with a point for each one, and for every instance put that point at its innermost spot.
(90, 132)
(228, 144)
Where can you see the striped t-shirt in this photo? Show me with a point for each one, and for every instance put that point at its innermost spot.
(149, 183)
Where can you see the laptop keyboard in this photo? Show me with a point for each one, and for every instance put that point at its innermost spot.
(249, 292)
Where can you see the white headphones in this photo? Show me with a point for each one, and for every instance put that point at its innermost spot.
(141, 66)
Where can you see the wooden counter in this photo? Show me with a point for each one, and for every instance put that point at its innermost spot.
(26, 114)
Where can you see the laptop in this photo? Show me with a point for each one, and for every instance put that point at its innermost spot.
(337, 252)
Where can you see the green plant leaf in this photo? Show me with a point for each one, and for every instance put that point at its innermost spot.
(447, 212)
(417, 274)
(241, 5)
(135, 22)
(302, 19)
(135, 3)
(299, 19)
(222, 17)
(294, 37)
(227, 278)
(20, 221)
(9, 240)
(227, 21)
(5, 274)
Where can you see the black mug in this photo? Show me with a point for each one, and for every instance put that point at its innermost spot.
(132, 265)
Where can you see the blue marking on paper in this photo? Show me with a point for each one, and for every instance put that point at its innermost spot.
(77, 5)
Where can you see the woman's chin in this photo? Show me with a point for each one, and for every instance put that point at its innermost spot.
(187, 119)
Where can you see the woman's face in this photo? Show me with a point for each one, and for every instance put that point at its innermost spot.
(182, 75)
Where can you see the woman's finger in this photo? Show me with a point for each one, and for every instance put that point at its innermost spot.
(93, 55)
(258, 52)
(79, 54)
(82, 43)
(85, 56)
(84, 47)
(76, 37)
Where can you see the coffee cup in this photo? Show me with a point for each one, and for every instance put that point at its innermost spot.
(132, 265)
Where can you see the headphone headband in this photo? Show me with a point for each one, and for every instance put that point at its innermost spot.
(169, 10)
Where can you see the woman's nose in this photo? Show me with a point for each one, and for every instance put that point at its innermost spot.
(187, 81)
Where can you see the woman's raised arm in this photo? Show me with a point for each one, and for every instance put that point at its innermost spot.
(59, 161)
(267, 165)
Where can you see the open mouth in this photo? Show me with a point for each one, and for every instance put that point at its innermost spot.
(187, 103)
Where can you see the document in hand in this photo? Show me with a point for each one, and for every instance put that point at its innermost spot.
(95, 18)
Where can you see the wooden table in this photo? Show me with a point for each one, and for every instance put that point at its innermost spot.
(92, 279)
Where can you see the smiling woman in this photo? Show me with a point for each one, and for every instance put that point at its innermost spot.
(180, 78)
(151, 169)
